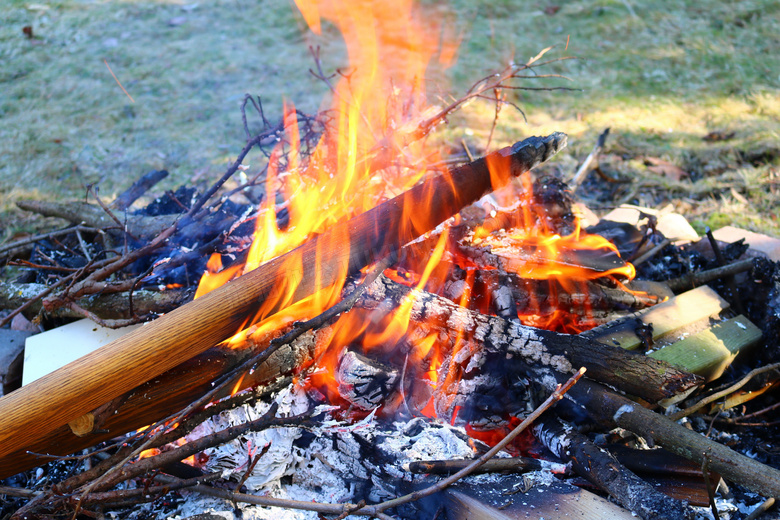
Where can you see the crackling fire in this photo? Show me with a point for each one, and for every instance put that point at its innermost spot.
(378, 108)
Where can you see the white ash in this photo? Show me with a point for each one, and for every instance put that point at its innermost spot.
(343, 462)
(232, 458)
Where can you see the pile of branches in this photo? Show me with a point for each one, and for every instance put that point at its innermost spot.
(118, 260)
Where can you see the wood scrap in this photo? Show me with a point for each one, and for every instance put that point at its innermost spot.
(709, 352)
(664, 318)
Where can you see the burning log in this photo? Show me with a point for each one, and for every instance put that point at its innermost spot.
(489, 335)
(103, 375)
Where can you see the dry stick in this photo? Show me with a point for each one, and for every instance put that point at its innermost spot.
(102, 375)
(689, 281)
(17, 244)
(18, 492)
(705, 471)
(647, 255)
(143, 494)
(318, 507)
(583, 170)
(760, 510)
(513, 464)
(723, 393)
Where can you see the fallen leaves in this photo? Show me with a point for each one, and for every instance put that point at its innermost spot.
(665, 168)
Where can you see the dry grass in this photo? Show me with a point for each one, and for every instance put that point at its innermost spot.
(660, 74)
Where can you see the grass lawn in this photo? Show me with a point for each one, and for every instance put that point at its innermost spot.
(661, 75)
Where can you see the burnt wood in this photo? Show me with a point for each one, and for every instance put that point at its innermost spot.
(604, 471)
(483, 335)
(32, 412)
(613, 410)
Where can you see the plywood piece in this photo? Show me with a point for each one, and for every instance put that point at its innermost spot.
(672, 225)
(50, 350)
(553, 501)
(673, 314)
(711, 351)
(762, 244)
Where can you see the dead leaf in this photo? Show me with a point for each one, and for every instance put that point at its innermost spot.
(718, 136)
(19, 322)
(665, 168)
(176, 21)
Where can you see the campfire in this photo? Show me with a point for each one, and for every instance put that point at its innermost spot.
(364, 310)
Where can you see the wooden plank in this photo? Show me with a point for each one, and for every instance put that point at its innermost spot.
(554, 500)
(682, 310)
(711, 351)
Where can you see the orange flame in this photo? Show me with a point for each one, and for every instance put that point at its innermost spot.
(378, 105)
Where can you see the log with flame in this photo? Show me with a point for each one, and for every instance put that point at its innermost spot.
(83, 385)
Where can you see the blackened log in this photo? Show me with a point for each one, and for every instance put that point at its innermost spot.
(139, 187)
(604, 471)
(632, 373)
(613, 410)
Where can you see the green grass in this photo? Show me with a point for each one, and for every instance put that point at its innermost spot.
(660, 74)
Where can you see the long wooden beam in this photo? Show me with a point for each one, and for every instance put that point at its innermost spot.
(28, 414)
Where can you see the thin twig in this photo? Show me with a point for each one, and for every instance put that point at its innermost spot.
(16, 244)
(723, 393)
(583, 170)
(765, 506)
(705, 471)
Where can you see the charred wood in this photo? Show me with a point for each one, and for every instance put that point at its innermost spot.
(139, 187)
(611, 409)
(490, 335)
(692, 280)
(603, 470)
(512, 464)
